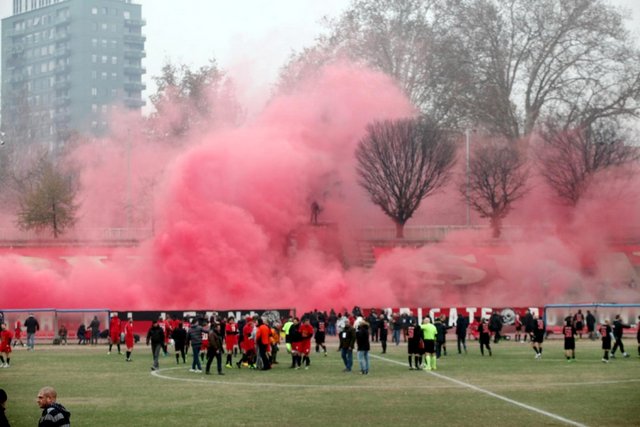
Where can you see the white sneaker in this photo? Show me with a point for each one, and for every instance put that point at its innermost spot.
(605, 360)
(198, 371)
(192, 370)
(4, 365)
(538, 355)
(625, 355)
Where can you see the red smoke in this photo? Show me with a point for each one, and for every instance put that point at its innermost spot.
(231, 226)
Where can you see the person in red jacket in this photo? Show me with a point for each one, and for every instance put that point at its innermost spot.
(231, 340)
(263, 339)
(129, 339)
(114, 332)
(306, 332)
(248, 345)
(5, 345)
(17, 334)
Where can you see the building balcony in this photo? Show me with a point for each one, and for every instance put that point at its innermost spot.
(62, 101)
(61, 118)
(63, 36)
(60, 20)
(61, 85)
(62, 69)
(134, 70)
(134, 102)
(134, 53)
(134, 86)
(135, 22)
(63, 52)
(134, 38)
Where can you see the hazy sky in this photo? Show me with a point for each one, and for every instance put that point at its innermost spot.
(250, 39)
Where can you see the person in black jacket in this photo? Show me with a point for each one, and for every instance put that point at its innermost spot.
(4, 422)
(638, 335)
(214, 349)
(155, 336)
(347, 341)
(383, 331)
(179, 336)
(53, 413)
(461, 332)
(362, 340)
(529, 323)
(495, 326)
(485, 336)
(32, 326)
(618, 329)
(591, 325)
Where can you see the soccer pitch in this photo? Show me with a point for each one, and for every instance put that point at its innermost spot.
(509, 388)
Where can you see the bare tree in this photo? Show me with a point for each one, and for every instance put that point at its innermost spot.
(573, 60)
(570, 158)
(402, 162)
(497, 178)
(48, 198)
(502, 65)
(401, 38)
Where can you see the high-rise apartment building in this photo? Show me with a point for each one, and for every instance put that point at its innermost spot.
(66, 65)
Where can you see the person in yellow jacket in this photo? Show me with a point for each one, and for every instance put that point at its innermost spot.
(429, 333)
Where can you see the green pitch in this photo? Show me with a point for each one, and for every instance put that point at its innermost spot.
(510, 388)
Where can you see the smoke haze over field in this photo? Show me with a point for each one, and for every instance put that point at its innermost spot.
(231, 213)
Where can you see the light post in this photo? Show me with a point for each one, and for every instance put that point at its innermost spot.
(129, 196)
(467, 137)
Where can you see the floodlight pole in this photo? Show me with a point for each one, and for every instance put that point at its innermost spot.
(467, 137)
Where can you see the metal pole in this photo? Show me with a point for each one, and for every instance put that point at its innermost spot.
(467, 132)
(129, 197)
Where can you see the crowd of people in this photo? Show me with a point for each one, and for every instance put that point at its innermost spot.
(254, 342)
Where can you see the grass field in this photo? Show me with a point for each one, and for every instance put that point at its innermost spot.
(510, 388)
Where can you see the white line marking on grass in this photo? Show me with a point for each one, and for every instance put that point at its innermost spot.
(290, 385)
(492, 394)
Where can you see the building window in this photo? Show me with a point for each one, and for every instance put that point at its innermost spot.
(94, 91)
(114, 60)
(94, 74)
(94, 58)
(103, 75)
(105, 59)
(127, 14)
(94, 10)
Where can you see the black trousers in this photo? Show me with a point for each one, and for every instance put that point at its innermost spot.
(211, 353)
